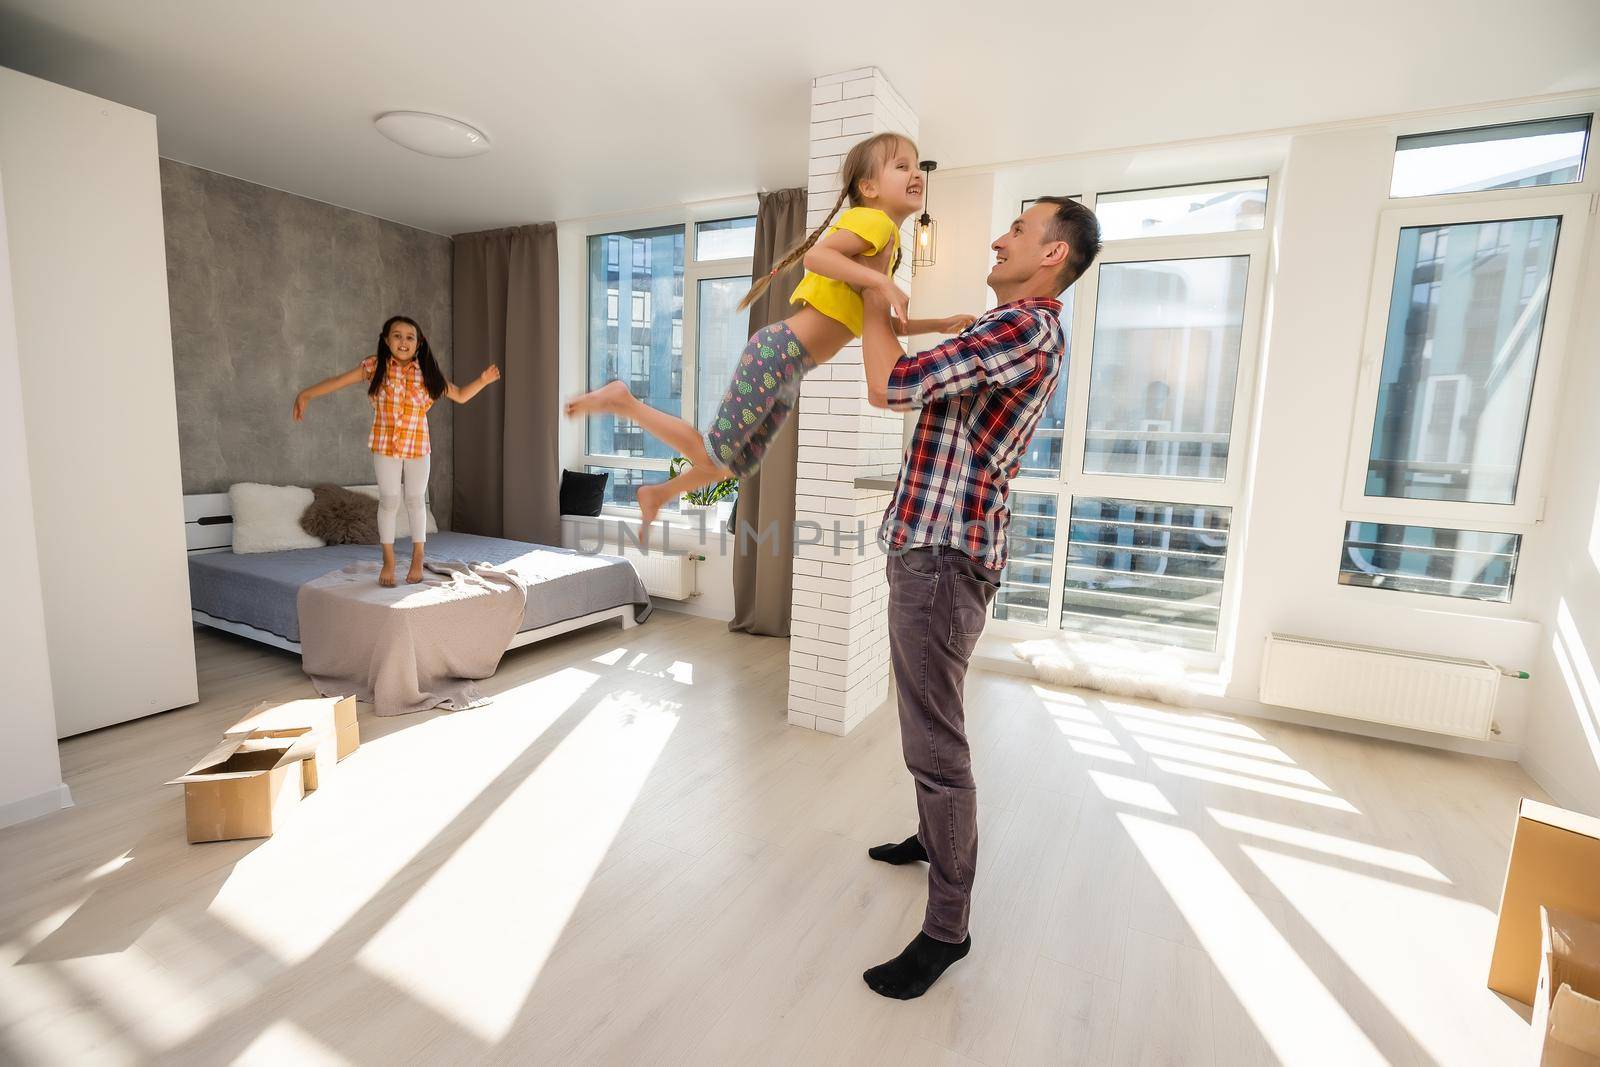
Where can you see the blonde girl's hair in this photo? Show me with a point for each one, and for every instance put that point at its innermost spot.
(860, 163)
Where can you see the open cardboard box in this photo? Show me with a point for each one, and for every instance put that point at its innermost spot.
(1566, 1008)
(245, 787)
(331, 719)
(1555, 863)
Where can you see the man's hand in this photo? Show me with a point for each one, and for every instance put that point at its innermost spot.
(956, 323)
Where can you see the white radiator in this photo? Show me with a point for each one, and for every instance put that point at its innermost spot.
(670, 577)
(1409, 689)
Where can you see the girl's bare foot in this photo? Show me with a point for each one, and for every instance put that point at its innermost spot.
(414, 575)
(386, 575)
(651, 498)
(605, 398)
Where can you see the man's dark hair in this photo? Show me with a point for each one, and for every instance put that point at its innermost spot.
(1076, 225)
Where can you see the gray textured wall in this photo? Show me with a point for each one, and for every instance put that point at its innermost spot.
(271, 292)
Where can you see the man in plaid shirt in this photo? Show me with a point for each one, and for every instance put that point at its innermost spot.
(980, 396)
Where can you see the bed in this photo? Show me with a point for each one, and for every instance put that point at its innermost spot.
(255, 595)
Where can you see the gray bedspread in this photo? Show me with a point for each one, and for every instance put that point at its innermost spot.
(260, 590)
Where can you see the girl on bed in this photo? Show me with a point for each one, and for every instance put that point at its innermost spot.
(403, 380)
(859, 252)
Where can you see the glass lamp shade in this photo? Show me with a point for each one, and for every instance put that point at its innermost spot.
(924, 242)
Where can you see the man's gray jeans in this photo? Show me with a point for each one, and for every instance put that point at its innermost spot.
(938, 603)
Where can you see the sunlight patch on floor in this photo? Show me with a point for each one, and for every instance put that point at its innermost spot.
(285, 1043)
(1255, 785)
(1422, 954)
(472, 941)
(1276, 772)
(1105, 752)
(1360, 851)
(297, 889)
(1296, 1015)
(32, 998)
(1134, 791)
(1191, 720)
(1206, 738)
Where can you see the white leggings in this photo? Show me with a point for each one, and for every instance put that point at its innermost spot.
(390, 470)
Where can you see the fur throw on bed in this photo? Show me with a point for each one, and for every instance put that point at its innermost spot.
(341, 517)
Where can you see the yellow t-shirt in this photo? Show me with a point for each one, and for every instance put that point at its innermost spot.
(834, 298)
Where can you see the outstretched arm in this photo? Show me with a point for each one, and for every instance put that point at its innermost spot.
(463, 393)
(327, 385)
(1005, 351)
(948, 324)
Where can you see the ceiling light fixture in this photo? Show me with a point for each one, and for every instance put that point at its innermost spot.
(432, 135)
(925, 237)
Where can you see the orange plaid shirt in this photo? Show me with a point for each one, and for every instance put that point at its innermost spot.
(399, 410)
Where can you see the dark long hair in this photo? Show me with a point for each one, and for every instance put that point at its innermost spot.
(432, 376)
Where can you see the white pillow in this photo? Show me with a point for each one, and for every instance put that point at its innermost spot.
(266, 518)
(402, 522)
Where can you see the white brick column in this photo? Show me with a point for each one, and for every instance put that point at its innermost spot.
(838, 648)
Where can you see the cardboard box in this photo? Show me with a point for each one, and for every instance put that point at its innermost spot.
(1555, 863)
(336, 715)
(245, 787)
(1566, 1008)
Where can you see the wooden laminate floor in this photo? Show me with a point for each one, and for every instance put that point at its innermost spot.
(629, 858)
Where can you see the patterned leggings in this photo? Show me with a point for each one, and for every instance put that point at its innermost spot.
(764, 390)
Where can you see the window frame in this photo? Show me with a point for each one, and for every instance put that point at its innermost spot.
(694, 272)
(1538, 437)
(1072, 481)
(1585, 163)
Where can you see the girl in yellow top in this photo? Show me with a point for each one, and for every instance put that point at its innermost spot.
(403, 380)
(859, 252)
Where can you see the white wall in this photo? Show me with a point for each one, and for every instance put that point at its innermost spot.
(83, 211)
(1562, 746)
(30, 772)
(1332, 188)
(1329, 187)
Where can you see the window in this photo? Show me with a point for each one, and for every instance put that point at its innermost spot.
(1136, 451)
(681, 335)
(1512, 156)
(1145, 570)
(1214, 208)
(1469, 564)
(1166, 360)
(727, 239)
(1030, 540)
(1459, 357)
(1043, 458)
(721, 330)
(1465, 337)
(622, 488)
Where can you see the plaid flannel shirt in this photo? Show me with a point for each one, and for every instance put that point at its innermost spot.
(399, 410)
(981, 394)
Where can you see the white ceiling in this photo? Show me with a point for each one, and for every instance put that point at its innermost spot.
(597, 108)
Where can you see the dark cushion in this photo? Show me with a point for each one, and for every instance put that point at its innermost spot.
(582, 494)
(341, 517)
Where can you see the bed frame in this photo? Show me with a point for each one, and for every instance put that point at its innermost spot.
(208, 527)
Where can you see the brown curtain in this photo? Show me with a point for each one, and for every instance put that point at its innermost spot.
(507, 458)
(763, 572)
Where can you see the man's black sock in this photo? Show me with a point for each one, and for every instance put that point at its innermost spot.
(908, 851)
(910, 974)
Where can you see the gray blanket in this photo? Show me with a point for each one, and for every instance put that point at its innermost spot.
(262, 590)
(410, 647)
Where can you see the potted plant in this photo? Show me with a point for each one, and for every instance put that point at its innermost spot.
(707, 497)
